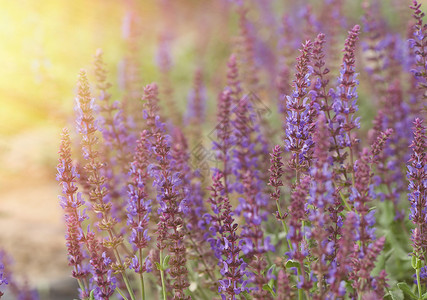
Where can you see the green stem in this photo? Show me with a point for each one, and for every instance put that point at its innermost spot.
(141, 277)
(128, 286)
(285, 227)
(121, 293)
(82, 287)
(300, 269)
(345, 202)
(162, 275)
(417, 270)
(124, 275)
(300, 292)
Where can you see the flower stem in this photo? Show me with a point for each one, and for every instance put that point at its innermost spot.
(123, 273)
(417, 270)
(162, 275)
(121, 293)
(285, 227)
(141, 277)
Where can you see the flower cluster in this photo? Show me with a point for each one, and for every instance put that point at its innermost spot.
(417, 175)
(334, 225)
(301, 113)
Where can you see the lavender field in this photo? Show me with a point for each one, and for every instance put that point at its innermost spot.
(227, 149)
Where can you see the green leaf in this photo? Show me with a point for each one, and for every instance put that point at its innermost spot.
(266, 287)
(424, 296)
(159, 267)
(396, 295)
(404, 287)
(272, 268)
(92, 295)
(292, 264)
(414, 262)
(165, 264)
(271, 283)
(246, 295)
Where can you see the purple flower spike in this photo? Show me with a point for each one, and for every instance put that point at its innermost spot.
(167, 181)
(419, 42)
(344, 101)
(225, 242)
(417, 175)
(71, 202)
(101, 272)
(301, 114)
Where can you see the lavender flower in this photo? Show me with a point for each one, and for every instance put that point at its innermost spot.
(87, 128)
(276, 173)
(223, 133)
(344, 100)
(417, 175)
(71, 201)
(193, 207)
(138, 209)
(246, 164)
(339, 272)
(101, 272)
(296, 235)
(15, 289)
(419, 42)
(395, 115)
(321, 200)
(117, 137)
(284, 290)
(3, 277)
(362, 266)
(225, 242)
(378, 147)
(167, 182)
(320, 71)
(301, 113)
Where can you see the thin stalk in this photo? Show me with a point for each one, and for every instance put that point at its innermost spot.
(300, 269)
(110, 232)
(352, 164)
(285, 227)
(345, 201)
(162, 275)
(121, 293)
(300, 292)
(141, 277)
(123, 272)
(417, 270)
(82, 287)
